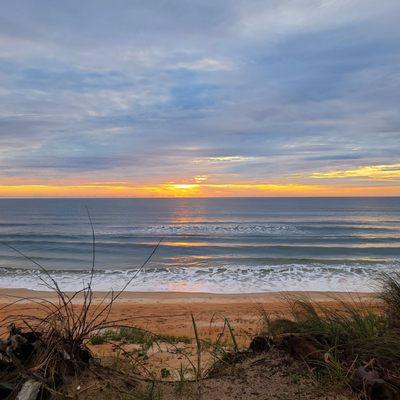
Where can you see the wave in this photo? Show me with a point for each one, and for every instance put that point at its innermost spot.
(218, 245)
(222, 278)
(214, 229)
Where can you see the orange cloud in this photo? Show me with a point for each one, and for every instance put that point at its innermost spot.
(386, 172)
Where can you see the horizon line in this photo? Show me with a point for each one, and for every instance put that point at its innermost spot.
(193, 197)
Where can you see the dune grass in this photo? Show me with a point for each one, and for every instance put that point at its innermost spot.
(131, 334)
(348, 336)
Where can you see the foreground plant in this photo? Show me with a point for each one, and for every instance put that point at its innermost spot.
(48, 345)
(355, 344)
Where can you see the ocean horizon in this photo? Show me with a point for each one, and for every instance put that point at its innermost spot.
(218, 245)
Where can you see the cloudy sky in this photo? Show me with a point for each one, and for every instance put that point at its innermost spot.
(199, 98)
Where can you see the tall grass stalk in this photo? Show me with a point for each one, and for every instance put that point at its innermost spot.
(198, 348)
(64, 325)
(232, 335)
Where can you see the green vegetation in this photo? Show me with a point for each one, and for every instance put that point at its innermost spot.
(338, 340)
(198, 348)
(135, 335)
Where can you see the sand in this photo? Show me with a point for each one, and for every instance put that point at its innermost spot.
(170, 312)
(270, 376)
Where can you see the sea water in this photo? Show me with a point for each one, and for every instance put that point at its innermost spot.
(232, 245)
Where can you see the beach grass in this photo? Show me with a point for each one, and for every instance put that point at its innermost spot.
(131, 334)
(338, 341)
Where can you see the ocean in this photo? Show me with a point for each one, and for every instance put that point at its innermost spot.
(233, 245)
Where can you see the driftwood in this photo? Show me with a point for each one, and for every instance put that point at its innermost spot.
(29, 391)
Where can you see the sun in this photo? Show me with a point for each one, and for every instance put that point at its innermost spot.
(182, 189)
(185, 186)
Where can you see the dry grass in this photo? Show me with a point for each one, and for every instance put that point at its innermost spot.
(350, 336)
(49, 344)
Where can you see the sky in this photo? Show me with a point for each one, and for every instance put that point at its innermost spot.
(130, 98)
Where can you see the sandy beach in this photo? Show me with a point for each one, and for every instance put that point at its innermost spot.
(170, 312)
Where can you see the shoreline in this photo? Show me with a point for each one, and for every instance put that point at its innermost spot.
(195, 297)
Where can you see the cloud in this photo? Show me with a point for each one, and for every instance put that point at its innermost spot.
(233, 93)
(285, 17)
(388, 173)
(224, 159)
(206, 64)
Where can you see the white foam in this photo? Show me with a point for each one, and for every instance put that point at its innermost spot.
(213, 229)
(218, 279)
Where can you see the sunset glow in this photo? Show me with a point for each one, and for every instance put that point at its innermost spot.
(389, 173)
(142, 99)
(195, 190)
